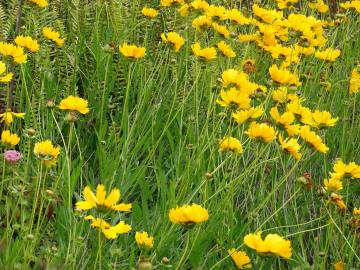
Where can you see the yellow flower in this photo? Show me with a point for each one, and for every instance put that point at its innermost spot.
(242, 116)
(201, 21)
(293, 130)
(221, 29)
(339, 265)
(233, 76)
(291, 146)
(100, 200)
(149, 12)
(8, 116)
(16, 52)
(167, 3)
(272, 244)
(184, 10)
(282, 95)
(205, 53)
(234, 99)
(9, 139)
(52, 35)
(283, 76)
(285, 119)
(226, 49)
(173, 38)
(28, 43)
(132, 51)
(338, 200)
(110, 232)
(144, 240)
(323, 119)
(313, 139)
(333, 184)
(188, 214)
(230, 144)
(200, 4)
(341, 169)
(282, 4)
(240, 258)
(46, 151)
(351, 4)
(236, 16)
(6, 78)
(268, 16)
(261, 131)
(356, 212)
(354, 82)
(40, 3)
(319, 5)
(72, 103)
(328, 54)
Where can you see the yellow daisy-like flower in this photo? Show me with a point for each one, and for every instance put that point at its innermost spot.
(268, 16)
(283, 76)
(8, 116)
(328, 54)
(234, 99)
(313, 139)
(184, 10)
(272, 244)
(132, 51)
(173, 38)
(285, 119)
(319, 5)
(233, 77)
(242, 116)
(226, 49)
(291, 146)
(230, 144)
(221, 29)
(333, 184)
(354, 85)
(6, 78)
(323, 118)
(9, 139)
(338, 200)
(16, 52)
(110, 232)
(144, 240)
(46, 151)
(149, 12)
(342, 169)
(356, 212)
(28, 43)
(201, 21)
(54, 36)
(204, 53)
(261, 131)
(240, 258)
(40, 3)
(100, 200)
(188, 214)
(72, 103)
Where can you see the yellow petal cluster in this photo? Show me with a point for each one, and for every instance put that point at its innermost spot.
(230, 144)
(173, 38)
(16, 52)
(110, 232)
(132, 51)
(28, 43)
(188, 214)
(144, 240)
(46, 151)
(54, 36)
(240, 258)
(73, 103)
(261, 131)
(204, 53)
(9, 139)
(149, 12)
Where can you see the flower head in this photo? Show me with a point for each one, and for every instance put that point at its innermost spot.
(28, 43)
(261, 131)
(8, 116)
(9, 139)
(283, 76)
(272, 244)
(230, 144)
(72, 103)
(240, 258)
(323, 119)
(188, 214)
(46, 151)
(333, 184)
(226, 49)
(40, 3)
(204, 53)
(354, 85)
(110, 232)
(234, 99)
(328, 54)
(149, 12)
(291, 146)
(12, 156)
(132, 51)
(100, 200)
(16, 52)
(313, 139)
(173, 38)
(144, 240)
(54, 36)
(6, 78)
(242, 116)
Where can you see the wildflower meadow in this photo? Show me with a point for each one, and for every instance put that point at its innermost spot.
(179, 134)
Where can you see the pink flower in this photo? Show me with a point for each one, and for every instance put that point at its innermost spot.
(12, 156)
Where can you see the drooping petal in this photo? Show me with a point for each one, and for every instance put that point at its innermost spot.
(85, 205)
(122, 207)
(121, 227)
